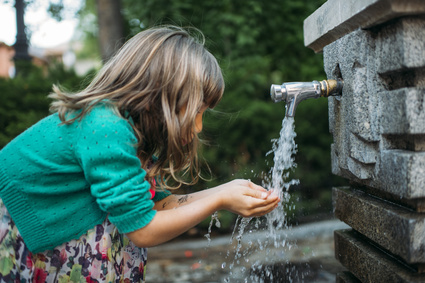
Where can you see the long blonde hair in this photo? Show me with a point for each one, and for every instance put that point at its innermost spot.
(155, 74)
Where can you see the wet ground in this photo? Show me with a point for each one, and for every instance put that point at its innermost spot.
(308, 256)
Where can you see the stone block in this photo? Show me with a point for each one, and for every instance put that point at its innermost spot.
(402, 173)
(396, 229)
(359, 170)
(400, 45)
(363, 152)
(415, 142)
(351, 58)
(378, 124)
(346, 277)
(403, 111)
(352, 118)
(368, 263)
(350, 53)
(337, 18)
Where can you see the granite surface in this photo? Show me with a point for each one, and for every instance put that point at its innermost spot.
(336, 18)
(398, 230)
(378, 124)
(368, 263)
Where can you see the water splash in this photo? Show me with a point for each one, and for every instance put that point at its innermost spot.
(214, 217)
(274, 240)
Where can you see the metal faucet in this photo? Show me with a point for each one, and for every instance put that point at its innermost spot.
(294, 93)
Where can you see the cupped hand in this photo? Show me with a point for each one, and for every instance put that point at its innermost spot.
(246, 198)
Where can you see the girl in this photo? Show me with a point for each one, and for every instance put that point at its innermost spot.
(86, 190)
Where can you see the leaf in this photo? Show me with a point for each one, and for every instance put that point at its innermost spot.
(75, 273)
(6, 265)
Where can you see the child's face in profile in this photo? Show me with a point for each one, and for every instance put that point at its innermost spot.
(198, 120)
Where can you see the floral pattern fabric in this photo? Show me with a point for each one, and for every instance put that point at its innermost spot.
(100, 255)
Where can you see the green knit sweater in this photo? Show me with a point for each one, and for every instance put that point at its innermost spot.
(58, 181)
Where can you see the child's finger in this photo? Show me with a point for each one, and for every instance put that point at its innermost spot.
(264, 196)
(260, 211)
(257, 194)
(255, 186)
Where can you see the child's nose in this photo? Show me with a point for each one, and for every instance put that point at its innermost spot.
(198, 123)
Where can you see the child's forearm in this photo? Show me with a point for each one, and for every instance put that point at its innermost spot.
(240, 196)
(170, 223)
(174, 201)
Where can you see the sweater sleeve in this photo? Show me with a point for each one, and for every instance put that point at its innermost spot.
(107, 154)
(161, 195)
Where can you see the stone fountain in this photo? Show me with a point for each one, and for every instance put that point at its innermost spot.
(377, 47)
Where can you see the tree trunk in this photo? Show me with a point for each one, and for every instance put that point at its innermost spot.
(22, 58)
(110, 20)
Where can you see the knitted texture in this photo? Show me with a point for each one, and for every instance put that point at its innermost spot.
(58, 181)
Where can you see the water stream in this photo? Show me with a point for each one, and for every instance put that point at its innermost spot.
(273, 243)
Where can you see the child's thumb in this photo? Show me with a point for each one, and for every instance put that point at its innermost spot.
(259, 194)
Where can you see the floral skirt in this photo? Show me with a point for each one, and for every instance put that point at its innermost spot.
(101, 255)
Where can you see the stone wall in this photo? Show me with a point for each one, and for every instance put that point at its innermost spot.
(378, 48)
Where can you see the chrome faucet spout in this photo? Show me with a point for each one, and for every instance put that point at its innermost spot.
(295, 92)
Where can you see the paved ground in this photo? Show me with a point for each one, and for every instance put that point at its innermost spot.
(308, 256)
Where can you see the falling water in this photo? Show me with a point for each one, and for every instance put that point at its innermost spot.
(273, 223)
(284, 150)
(214, 217)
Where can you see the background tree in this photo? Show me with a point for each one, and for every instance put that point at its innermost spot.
(21, 45)
(21, 57)
(24, 98)
(111, 29)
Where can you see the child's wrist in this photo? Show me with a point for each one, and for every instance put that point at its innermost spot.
(219, 188)
(220, 199)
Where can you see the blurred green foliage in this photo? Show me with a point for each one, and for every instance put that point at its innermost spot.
(24, 98)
